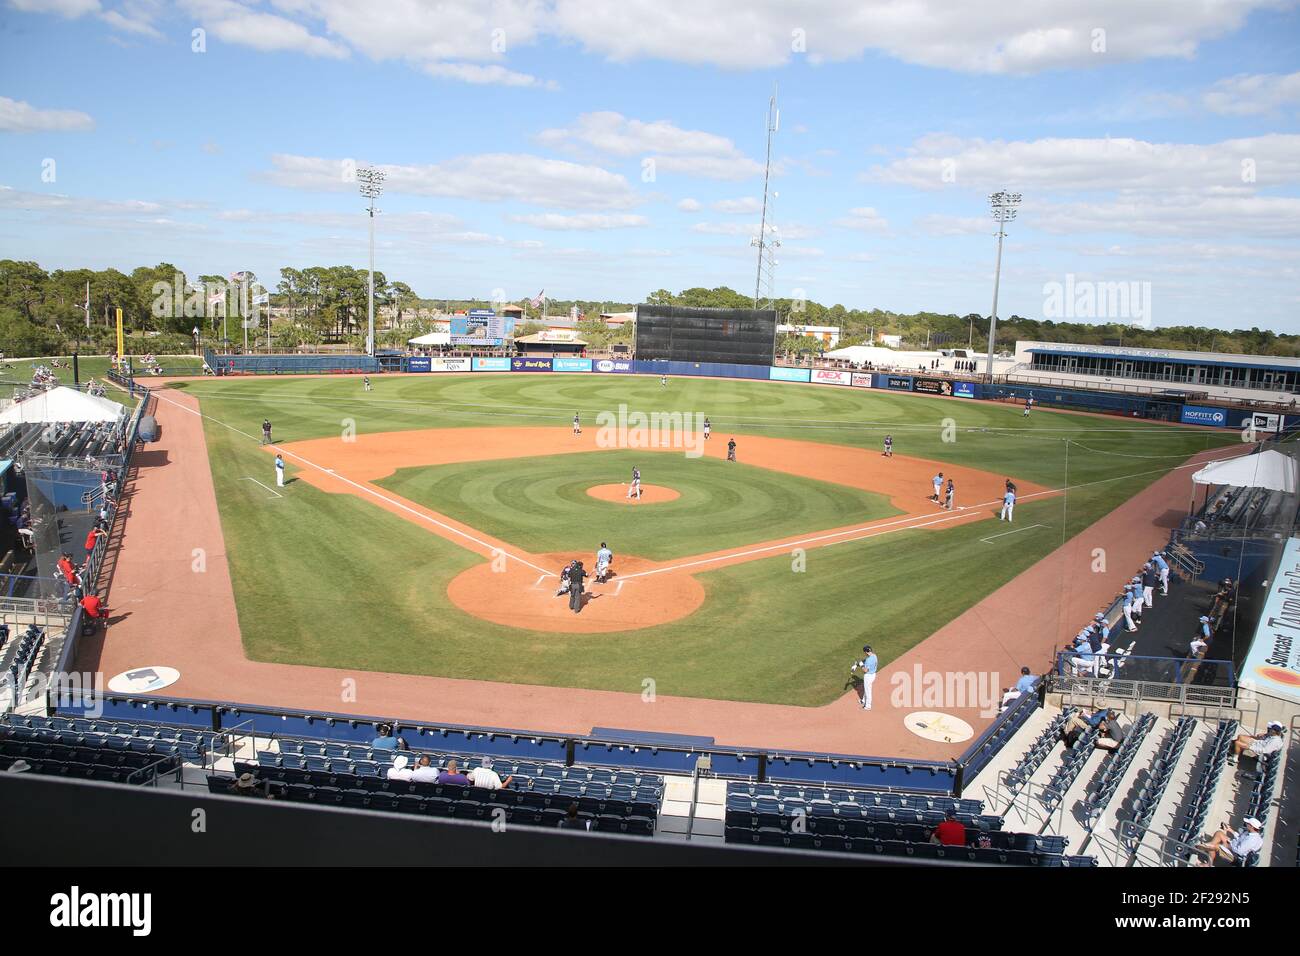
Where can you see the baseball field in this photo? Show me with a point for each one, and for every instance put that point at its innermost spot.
(423, 524)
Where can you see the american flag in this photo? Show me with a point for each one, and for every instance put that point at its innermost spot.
(537, 300)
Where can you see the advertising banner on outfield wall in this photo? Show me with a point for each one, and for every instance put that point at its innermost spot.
(779, 373)
(491, 364)
(862, 379)
(1263, 422)
(1273, 663)
(902, 382)
(611, 365)
(571, 365)
(530, 365)
(932, 386)
(963, 389)
(418, 363)
(831, 376)
(1204, 415)
(455, 363)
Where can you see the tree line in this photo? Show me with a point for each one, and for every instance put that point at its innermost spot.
(49, 313)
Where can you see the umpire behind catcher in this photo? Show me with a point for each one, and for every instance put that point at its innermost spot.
(576, 577)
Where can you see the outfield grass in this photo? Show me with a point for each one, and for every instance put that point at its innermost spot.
(332, 580)
(93, 366)
(542, 505)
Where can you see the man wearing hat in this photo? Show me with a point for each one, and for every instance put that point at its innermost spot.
(1149, 580)
(399, 770)
(1233, 844)
(1259, 745)
(1128, 610)
(484, 776)
(247, 786)
(868, 667)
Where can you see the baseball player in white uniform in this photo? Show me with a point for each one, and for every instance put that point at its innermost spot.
(634, 489)
(279, 471)
(603, 559)
(1008, 505)
(577, 424)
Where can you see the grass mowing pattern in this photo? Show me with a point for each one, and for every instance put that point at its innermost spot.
(332, 580)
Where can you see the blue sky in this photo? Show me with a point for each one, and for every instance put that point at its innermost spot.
(606, 150)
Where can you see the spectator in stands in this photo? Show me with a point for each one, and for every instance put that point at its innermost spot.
(950, 832)
(1258, 745)
(92, 538)
(453, 776)
(385, 739)
(248, 786)
(1223, 599)
(399, 770)
(484, 776)
(572, 821)
(1026, 682)
(1009, 696)
(1077, 726)
(1233, 844)
(68, 572)
(425, 770)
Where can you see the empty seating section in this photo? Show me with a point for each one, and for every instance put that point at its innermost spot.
(1116, 767)
(17, 655)
(1235, 510)
(98, 751)
(891, 824)
(62, 440)
(1162, 768)
(1033, 758)
(112, 736)
(1197, 802)
(1072, 762)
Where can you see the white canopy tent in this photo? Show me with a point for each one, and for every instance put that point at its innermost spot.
(431, 338)
(1269, 469)
(61, 405)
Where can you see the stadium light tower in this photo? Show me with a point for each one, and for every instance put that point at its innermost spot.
(371, 183)
(1003, 206)
(765, 278)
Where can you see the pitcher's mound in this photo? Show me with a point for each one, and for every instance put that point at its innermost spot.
(650, 494)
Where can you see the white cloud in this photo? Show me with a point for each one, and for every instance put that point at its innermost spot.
(556, 221)
(937, 161)
(71, 9)
(966, 36)
(1188, 215)
(689, 205)
(1251, 94)
(944, 225)
(235, 23)
(486, 176)
(480, 74)
(673, 149)
(17, 116)
(864, 218)
(746, 205)
(792, 231)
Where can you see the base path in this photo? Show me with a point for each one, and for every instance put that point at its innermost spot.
(165, 612)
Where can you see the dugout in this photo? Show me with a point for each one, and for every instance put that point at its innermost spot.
(669, 333)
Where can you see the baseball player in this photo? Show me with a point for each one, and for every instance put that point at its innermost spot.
(1128, 610)
(1135, 590)
(948, 495)
(731, 449)
(937, 481)
(1149, 579)
(564, 580)
(366, 381)
(868, 667)
(266, 431)
(663, 381)
(1008, 505)
(707, 428)
(577, 424)
(1162, 568)
(889, 447)
(279, 471)
(603, 558)
(634, 489)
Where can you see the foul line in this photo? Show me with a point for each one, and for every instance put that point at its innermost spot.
(256, 482)
(493, 549)
(1015, 531)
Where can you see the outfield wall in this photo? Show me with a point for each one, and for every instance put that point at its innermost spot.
(1157, 407)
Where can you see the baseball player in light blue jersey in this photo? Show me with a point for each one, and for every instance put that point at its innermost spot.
(1008, 506)
(937, 481)
(1162, 567)
(868, 667)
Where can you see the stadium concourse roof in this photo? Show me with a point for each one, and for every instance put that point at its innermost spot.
(1269, 469)
(61, 404)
